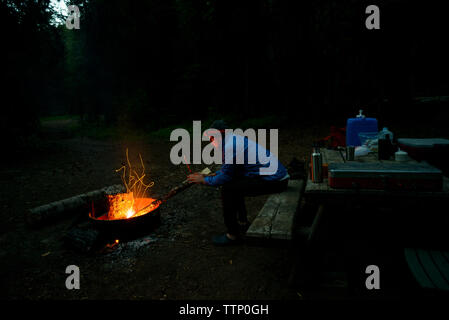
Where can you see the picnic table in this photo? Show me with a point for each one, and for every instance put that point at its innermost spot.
(324, 198)
(322, 194)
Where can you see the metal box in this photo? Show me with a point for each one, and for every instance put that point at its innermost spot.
(385, 176)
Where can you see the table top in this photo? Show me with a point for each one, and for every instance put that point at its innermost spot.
(332, 156)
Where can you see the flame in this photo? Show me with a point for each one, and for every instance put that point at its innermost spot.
(130, 213)
(125, 206)
(130, 204)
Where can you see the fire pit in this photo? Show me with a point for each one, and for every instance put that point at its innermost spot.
(131, 213)
(123, 215)
(124, 220)
(128, 213)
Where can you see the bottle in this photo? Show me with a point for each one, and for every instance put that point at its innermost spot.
(385, 147)
(317, 165)
(384, 133)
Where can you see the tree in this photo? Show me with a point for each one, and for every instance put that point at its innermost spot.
(31, 67)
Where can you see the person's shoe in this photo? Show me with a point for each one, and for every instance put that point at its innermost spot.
(224, 240)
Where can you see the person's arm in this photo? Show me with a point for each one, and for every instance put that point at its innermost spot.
(217, 179)
(222, 176)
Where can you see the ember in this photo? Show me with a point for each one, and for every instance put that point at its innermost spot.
(134, 202)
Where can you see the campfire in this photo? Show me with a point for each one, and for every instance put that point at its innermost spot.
(123, 211)
(126, 206)
(134, 202)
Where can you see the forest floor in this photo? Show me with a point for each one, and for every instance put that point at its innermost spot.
(176, 261)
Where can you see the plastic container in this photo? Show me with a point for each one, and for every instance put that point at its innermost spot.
(370, 140)
(361, 151)
(384, 133)
(357, 125)
(401, 156)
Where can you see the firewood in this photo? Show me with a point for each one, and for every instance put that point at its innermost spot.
(67, 207)
(181, 187)
(184, 185)
(119, 204)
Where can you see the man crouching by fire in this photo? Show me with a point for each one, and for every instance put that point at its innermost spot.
(240, 178)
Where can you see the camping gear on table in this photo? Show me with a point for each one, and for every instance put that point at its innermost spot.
(357, 125)
(387, 176)
(317, 165)
(384, 132)
(385, 148)
(336, 138)
(370, 140)
(401, 156)
(423, 149)
(350, 153)
(435, 151)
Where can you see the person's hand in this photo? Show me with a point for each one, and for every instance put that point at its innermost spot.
(196, 178)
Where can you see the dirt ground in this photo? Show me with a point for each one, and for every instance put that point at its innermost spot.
(176, 261)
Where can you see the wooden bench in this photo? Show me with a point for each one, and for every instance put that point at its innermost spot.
(430, 268)
(275, 219)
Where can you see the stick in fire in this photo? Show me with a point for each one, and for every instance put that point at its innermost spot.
(184, 185)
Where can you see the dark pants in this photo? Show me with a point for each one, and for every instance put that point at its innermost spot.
(233, 196)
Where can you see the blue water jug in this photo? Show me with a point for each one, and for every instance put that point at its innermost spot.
(359, 124)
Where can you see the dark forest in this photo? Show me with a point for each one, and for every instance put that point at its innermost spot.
(151, 64)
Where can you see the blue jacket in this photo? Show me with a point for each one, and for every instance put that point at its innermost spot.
(230, 171)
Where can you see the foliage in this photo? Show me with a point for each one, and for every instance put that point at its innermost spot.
(31, 68)
(152, 64)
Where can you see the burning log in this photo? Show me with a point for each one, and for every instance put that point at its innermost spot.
(70, 206)
(120, 206)
(128, 204)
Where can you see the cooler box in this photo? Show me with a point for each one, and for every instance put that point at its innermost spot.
(435, 151)
(385, 176)
(423, 149)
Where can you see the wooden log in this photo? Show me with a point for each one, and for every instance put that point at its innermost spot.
(184, 185)
(174, 191)
(70, 206)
